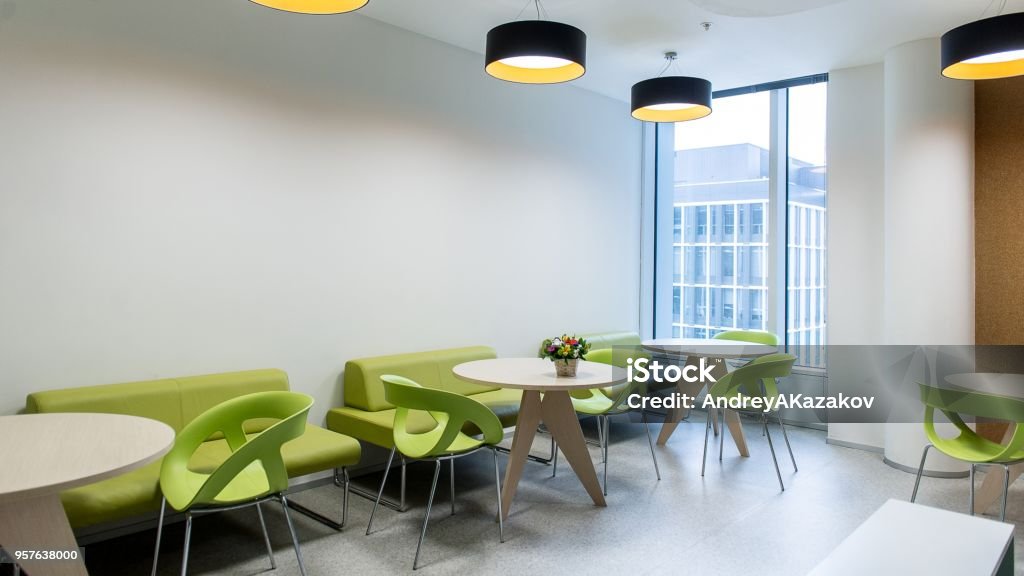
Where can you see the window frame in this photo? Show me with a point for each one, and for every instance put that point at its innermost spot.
(659, 144)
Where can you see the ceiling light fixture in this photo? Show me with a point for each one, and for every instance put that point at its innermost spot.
(671, 98)
(536, 51)
(985, 49)
(313, 6)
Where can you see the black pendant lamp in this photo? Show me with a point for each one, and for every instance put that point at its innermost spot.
(314, 6)
(986, 49)
(536, 51)
(671, 98)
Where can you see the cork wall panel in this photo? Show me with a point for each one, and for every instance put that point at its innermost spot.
(999, 211)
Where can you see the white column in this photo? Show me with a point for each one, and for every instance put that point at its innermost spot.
(929, 218)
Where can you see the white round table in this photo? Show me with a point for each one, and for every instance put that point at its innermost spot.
(714, 352)
(43, 454)
(545, 399)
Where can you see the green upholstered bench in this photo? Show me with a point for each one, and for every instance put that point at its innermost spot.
(176, 401)
(367, 416)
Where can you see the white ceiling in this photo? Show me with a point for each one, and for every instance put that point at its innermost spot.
(750, 41)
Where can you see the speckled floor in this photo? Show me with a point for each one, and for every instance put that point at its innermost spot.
(733, 521)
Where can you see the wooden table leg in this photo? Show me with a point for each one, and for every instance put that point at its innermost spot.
(40, 524)
(732, 420)
(674, 415)
(522, 442)
(561, 420)
(991, 489)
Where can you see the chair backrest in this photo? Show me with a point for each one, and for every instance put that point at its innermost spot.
(955, 404)
(364, 389)
(753, 336)
(747, 379)
(288, 409)
(451, 411)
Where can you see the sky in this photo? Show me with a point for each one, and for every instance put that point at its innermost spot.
(746, 119)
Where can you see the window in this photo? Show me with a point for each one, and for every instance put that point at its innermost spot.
(748, 205)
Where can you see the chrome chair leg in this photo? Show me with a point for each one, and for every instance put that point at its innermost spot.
(707, 433)
(600, 434)
(344, 496)
(1006, 491)
(771, 447)
(426, 517)
(605, 437)
(266, 537)
(788, 446)
(554, 457)
(295, 539)
(451, 476)
(971, 510)
(159, 534)
(497, 484)
(188, 537)
(650, 442)
(920, 471)
(387, 468)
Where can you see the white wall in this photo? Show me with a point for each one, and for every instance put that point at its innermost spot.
(929, 200)
(929, 219)
(901, 154)
(191, 187)
(856, 239)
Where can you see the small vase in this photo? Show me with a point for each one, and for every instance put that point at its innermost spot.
(566, 368)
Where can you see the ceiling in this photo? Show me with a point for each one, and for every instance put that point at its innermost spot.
(750, 41)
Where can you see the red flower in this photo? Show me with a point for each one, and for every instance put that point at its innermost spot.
(573, 342)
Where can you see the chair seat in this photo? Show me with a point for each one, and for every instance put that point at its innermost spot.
(249, 484)
(377, 427)
(975, 449)
(595, 405)
(316, 450)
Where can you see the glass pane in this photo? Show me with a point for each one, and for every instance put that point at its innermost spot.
(721, 197)
(807, 224)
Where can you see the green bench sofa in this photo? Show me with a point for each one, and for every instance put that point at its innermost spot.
(367, 416)
(175, 402)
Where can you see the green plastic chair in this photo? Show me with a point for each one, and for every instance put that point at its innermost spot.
(968, 446)
(605, 402)
(757, 378)
(253, 474)
(445, 441)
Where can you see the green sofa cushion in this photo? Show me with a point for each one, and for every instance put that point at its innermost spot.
(376, 427)
(124, 496)
(363, 388)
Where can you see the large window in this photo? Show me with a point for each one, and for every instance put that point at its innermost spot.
(747, 241)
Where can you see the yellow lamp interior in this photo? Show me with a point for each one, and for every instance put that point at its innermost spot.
(988, 67)
(671, 112)
(314, 6)
(534, 75)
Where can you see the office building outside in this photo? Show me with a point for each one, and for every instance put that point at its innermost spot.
(721, 244)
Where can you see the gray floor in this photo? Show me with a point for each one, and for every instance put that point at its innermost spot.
(733, 521)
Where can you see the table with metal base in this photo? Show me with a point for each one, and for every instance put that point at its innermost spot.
(545, 399)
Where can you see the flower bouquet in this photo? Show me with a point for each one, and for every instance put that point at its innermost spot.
(565, 351)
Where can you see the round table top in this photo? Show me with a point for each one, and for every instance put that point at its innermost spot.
(708, 348)
(45, 453)
(1008, 385)
(537, 374)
